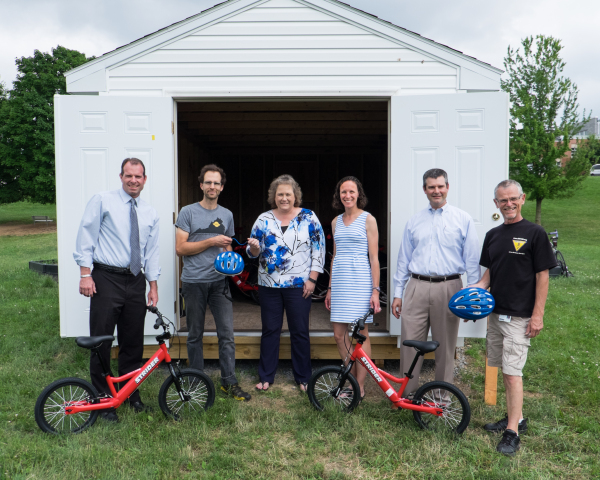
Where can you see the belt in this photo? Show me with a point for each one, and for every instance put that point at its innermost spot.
(425, 278)
(111, 269)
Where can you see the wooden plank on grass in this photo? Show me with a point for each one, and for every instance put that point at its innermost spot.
(491, 384)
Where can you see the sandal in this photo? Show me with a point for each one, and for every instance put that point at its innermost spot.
(264, 386)
(303, 387)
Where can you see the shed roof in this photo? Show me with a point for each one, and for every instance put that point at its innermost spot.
(344, 11)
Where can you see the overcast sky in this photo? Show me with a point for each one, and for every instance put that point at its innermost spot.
(482, 29)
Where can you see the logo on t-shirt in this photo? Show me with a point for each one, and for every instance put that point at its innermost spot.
(213, 227)
(518, 243)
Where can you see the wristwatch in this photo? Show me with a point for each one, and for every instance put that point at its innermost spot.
(377, 288)
(312, 280)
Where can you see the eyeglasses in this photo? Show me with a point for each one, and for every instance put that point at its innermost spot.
(209, 184)
(505, 201)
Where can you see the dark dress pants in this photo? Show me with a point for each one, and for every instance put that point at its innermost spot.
(119, 301)
(273, 301)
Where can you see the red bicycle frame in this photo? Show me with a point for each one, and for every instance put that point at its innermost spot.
(135, 379)
(382, 377)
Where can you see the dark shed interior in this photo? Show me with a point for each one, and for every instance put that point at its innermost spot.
(317, 142)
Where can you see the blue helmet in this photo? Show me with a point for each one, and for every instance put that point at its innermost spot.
(472, 303)
(229, 263)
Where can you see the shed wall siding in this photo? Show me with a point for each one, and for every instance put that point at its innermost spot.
(280, 44)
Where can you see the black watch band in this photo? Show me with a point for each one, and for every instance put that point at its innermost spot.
(312, 280)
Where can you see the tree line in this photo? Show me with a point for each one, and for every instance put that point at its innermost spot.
(27, 170)
(544, 109)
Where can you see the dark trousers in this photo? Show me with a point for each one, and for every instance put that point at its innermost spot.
(197, 296)
(119, 301)
(273, 301)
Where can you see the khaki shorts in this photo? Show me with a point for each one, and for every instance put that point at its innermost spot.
(507, 345)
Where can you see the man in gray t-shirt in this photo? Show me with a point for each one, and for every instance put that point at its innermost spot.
(204, 230)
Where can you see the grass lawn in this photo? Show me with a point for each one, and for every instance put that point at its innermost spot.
(278, 434)
(21, 212)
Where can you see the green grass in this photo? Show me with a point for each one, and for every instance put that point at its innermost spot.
(21, 212)
(278, 435)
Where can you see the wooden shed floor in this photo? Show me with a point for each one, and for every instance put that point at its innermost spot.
(246, 318)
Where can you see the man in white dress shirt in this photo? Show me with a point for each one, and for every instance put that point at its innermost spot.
(439, 245)
(118, 236)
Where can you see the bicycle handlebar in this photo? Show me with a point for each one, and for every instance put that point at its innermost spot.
(159, 320)
(360, 325)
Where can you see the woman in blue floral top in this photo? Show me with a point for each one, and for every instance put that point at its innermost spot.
(290, 244)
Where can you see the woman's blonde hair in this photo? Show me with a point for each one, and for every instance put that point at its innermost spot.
(284, 180)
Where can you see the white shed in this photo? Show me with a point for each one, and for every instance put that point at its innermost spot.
(314, 88)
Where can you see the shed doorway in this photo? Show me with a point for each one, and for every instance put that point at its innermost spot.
(317, 142)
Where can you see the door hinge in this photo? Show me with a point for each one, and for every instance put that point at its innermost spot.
(172, 127)
(175, 306)
(174, 219)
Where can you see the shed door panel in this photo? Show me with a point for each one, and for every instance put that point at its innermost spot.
(464, 134)
(93, 136)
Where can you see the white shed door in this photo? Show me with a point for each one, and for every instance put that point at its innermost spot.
(464, 134)
(93, 136)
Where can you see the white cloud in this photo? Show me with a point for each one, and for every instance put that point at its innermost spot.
(480, 29)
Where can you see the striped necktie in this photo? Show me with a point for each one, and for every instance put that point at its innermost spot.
(135, 264)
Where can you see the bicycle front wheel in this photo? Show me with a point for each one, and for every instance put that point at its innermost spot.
(456, 408)
(51, 405)
(197, 388)
(323, 385)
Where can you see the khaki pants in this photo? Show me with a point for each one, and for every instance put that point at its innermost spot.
(425, 305)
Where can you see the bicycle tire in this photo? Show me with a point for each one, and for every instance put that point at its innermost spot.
(320, 292)
(50, 406)
(255, 296)
(561, 262)
(194, 383)
(383, 294)
(457, 411)
(324, 381)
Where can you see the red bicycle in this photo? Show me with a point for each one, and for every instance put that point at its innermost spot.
(436, 405)
(71, 405)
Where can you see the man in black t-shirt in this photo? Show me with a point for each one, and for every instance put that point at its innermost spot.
(517, 255)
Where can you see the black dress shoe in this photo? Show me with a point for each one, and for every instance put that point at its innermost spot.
(109, 416)
(140, 407)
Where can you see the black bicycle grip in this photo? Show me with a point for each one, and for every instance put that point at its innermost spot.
(361, 320)
(152, 308)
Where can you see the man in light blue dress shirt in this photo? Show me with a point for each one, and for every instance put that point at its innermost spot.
(439, 245)
(118, 236)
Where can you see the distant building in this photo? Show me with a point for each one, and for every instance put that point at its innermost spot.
(591, 127)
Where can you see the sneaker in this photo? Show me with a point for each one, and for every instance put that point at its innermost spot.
(510, 443)
(109, 415)
(501, 425)
(236, 392)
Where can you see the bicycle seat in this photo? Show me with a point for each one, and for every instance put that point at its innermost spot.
(423, 347)
(93, 342)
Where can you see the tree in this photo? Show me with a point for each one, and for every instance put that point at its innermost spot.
(588, 151)
(27, 125)
(539, 95)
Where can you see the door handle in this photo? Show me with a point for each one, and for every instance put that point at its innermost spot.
(496, 216)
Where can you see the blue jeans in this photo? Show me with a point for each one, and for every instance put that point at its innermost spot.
(197, 296)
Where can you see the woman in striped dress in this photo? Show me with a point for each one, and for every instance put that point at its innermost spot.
(354, 280)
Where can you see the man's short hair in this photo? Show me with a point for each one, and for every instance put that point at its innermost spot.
(434, 173)
(284, 180)
(212, 168)
(133, 161)
(507, 184)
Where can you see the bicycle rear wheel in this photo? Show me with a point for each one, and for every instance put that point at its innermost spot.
(195, 385)
(456, 408)
(323, 384)
(563, 265)
(383, 295)
(321, 287)
(51, 405)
